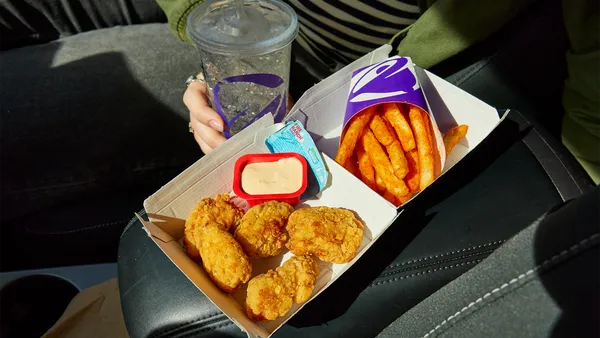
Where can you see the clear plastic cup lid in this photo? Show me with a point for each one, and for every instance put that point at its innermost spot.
(259, 27)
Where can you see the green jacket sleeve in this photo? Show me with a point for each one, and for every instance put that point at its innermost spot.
(177, 12)
(581, 96)
(448, 27)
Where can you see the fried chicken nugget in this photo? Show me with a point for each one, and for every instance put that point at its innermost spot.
(261, 232)
(219, 211)
(223, 257)
(272, 294)
(301, 273)
(268, 297)
(331, 234)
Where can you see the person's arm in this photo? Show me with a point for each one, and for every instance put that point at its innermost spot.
(177, 12)
(448, 27)
(581, 95)
(205, 123)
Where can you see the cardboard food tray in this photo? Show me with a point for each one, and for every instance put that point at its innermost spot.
(321, 110)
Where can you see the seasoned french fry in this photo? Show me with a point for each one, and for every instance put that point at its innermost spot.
(404, 199)
(353, 133)
(397, 156)
(392, 113)
(395, 200)
(399, 162)
(386, 135)
(413, 179)
(380, 185)
(382, 164)
(422, 132)
(390, 198)
(381, 131)
(367, 173)
(453, 136)
(352, 166)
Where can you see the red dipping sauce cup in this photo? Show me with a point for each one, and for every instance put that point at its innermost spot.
(255, 199)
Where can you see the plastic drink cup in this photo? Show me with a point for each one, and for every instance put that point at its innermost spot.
(245, 53)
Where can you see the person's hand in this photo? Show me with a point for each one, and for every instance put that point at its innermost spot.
(204, 121)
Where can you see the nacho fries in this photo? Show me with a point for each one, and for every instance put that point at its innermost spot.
(391, 112)
(391, 146)
(383, 166)
(453, 136)
(387, 137)
(367, 172)
(353, 133)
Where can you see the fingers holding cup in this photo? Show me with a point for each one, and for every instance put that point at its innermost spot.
(196, 100)
(206, 137)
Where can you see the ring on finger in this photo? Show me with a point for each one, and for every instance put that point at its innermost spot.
(195, 78)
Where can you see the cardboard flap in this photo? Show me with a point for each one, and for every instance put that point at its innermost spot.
(451, 106)
(154, 231)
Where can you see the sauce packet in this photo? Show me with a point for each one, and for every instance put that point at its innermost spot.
(294, 138)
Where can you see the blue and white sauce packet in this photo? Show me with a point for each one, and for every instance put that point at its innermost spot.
(294, 138)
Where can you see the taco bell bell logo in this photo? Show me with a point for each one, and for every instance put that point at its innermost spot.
(392, 80)
(277, 106)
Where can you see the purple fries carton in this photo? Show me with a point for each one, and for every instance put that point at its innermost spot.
(392, 80)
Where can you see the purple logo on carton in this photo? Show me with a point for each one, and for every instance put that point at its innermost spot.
(277, 106)
(392, 80)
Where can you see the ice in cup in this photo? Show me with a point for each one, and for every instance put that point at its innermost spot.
(245, 52)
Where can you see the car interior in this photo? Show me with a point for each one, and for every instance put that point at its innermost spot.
(517, 174)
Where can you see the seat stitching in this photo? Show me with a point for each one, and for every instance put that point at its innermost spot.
(66, 232)
(528, 274)
(172, 329)
(207, 329)
(447, 254)
(425, 272)
(442, 261)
